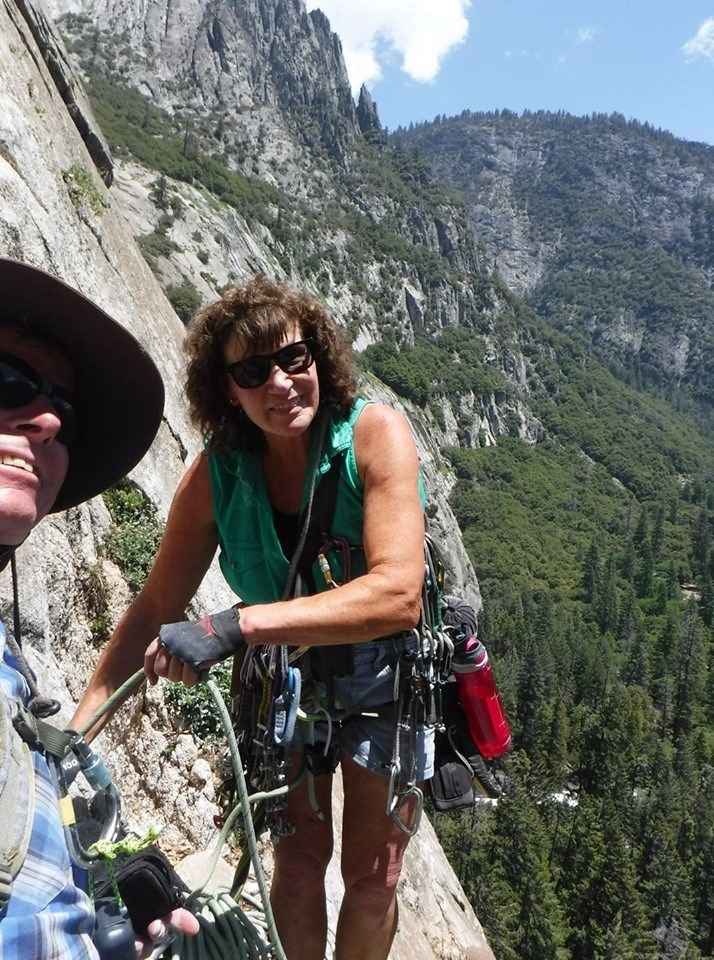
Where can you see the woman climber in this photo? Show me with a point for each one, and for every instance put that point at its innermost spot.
(271, 388)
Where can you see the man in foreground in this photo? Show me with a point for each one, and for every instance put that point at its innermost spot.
(80, 403)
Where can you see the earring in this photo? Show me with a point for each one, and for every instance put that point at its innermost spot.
(233, 402)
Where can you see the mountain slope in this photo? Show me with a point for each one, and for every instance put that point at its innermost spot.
(605, 226)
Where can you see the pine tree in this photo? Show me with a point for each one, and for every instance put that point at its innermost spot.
(664, 666)
(690, 682)
(707, 601)
(661, 596)
(532, 691)
(606, 605)
(627, 562)
(598, 888)
(636, 669)
(674, 591)
(522, 851)
(641, 535)
(592, 569)
(657, 538)
(701, 862)
(701, 538)
(666, 885)
(646, 571)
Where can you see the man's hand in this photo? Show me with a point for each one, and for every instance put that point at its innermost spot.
(159, 932)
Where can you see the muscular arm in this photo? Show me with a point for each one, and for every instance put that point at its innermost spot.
(386, 598)
(187, 548)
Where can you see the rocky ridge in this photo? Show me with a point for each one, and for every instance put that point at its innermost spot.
(562, 204)
(230, 68)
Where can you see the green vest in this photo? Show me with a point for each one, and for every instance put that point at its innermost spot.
(251, 557)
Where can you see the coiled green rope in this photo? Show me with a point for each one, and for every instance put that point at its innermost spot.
(225, 930)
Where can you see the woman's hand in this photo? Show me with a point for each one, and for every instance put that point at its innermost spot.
(158, 662)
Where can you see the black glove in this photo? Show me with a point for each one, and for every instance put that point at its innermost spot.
(460, 616)
(149, 886)
(460, 620)
(203, 641)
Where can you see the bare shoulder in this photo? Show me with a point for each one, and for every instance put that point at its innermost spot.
(383, 437)
(379, 421)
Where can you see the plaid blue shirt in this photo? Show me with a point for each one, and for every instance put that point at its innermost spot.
(48, 917)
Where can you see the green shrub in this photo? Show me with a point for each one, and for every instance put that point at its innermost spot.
(154, 245)
(82, 190)
(135, 534)
(194, 707)
(185, 299)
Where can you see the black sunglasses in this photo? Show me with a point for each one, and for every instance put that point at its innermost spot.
(254, 371)
(20, 384)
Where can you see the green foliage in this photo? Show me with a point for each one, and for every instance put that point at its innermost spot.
(451, 365)
(155, 245)
(95, 594)
(185, 299)
(82, 190)
(134, 126)
(135, 534)
(528, 513)
(610, 695)
(640, 440)
(194, 708)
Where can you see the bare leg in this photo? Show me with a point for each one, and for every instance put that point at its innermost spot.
(372, 854)
(297, 893)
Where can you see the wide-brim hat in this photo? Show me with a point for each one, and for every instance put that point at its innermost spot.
(119, 393)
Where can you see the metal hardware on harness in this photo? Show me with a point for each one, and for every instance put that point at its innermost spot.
(98, 777)
(418, 676)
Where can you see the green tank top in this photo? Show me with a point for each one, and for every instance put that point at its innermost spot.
(251, 557)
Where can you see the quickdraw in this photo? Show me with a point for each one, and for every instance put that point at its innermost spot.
(419, 676)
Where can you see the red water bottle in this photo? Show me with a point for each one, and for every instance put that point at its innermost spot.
(478, 694)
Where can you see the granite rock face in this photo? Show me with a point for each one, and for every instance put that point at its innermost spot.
(56, 212)
(262, 73)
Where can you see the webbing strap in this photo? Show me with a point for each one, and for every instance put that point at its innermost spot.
(17, 801)
(39, 735)
(320, 524)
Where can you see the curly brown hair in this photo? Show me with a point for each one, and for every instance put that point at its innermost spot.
(259, 313)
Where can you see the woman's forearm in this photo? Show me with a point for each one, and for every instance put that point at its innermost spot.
(187, 547)
(122, 656)
(371, 606)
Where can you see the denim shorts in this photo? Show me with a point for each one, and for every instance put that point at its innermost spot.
(369, 741)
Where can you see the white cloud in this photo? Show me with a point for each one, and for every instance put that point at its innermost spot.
(421, 32)
(523, 54)
(586, 35)
(701, 45)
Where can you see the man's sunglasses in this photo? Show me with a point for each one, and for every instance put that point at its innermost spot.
(254, 371)
(20, 384)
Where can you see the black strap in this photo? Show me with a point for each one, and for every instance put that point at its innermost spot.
(338, 660)
(323, 512)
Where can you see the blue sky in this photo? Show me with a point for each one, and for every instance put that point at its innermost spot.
(650, 60)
